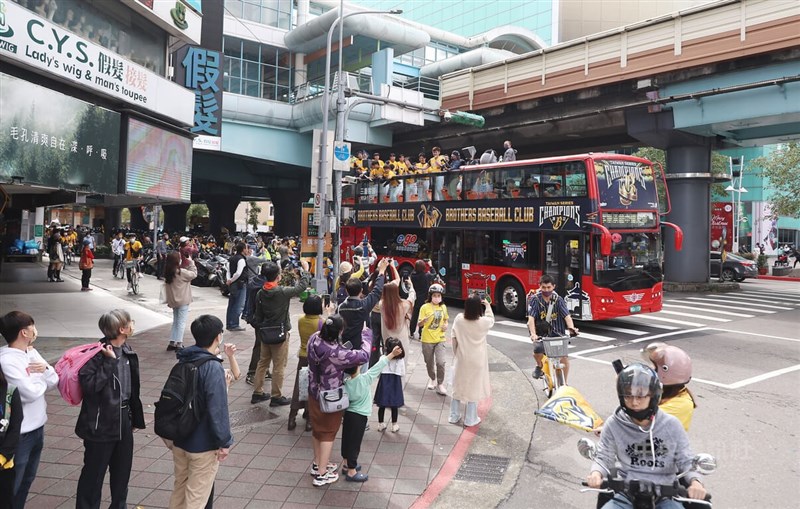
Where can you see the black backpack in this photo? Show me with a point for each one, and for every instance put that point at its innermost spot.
(177, 414)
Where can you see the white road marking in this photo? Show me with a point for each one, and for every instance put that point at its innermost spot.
(675, 333)
(692, 315)
(755, 334)
(741, 303)
(740, 315)
(617, 329)
(669, 320)
(586, 335)
(726, 306)
(652, 325)
(764, 376)
(755, 301)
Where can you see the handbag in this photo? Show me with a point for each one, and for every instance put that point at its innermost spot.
(302, 384)
(272, 334)
(333, 400)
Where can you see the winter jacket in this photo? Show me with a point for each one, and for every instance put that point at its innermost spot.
(179, 292)
(214, 429)
(31, 386)
(272, 306)
(101, 409)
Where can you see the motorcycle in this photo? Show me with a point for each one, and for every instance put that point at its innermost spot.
(206, 270)
(645, 494)
(783, 259)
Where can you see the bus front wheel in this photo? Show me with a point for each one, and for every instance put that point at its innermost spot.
(511, 298)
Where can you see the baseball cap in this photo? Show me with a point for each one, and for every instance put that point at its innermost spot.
(184, 239)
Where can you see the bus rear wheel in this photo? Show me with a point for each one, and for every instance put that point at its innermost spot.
(511, 298)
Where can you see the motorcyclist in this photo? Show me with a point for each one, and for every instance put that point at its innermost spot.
(674, 369)
(647, 443)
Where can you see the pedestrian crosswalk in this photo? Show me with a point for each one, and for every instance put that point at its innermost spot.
(679, 313)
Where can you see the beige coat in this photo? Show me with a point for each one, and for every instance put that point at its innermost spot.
(471, 376)
(179, 292)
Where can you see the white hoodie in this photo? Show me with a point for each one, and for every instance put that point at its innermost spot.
(31, 386)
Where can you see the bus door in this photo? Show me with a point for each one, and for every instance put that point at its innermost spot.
(562, 260)
(446, 259)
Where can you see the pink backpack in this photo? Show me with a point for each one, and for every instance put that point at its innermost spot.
(68, 367)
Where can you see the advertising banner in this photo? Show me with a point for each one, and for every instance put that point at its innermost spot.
(36, 42)
(200, 70)
(625, 185)
(53, 140)
(309, 232)
(173, 16)
(765, 229)
(721, 226)
(159, 163)
(561, 215)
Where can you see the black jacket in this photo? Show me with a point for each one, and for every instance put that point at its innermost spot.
(421, 281)
(10, 439)
(356, 312)
(101, 410)
(272, 306)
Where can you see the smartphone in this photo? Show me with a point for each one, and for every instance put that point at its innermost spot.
(326, 300)
(348, 345)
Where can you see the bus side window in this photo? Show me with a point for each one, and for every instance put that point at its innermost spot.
(576, 179)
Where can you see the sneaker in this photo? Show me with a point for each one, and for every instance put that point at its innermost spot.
(238, 328)
(248, 379)
(431, 385)
(538, 373)
(259, 398)
(171, 347)
(395, 427)
(326, 478)
(268, 376)
(366, 428)
(282, 401)
(440, 390)
(315, 469)
(381, 426)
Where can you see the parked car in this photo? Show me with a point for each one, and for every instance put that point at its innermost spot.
(735, 267)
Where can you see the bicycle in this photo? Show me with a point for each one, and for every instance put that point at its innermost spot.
(68, 255)
(119, 267)
(133, 265)
(555, 349)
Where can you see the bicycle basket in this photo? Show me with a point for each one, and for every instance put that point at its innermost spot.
(556, 347)
(129, 264)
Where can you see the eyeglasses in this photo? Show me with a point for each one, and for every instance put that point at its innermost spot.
(631, 397)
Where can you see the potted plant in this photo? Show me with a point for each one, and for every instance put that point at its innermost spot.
(761, 264)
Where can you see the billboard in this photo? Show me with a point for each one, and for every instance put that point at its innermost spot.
(54, 140)
(158, 163)
(721, 226)
(200, 70)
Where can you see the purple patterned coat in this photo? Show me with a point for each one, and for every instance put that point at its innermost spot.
(327, 362)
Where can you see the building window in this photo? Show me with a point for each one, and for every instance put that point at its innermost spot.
(274, 13)
(257, 70)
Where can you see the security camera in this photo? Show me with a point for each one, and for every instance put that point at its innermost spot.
(350, 179)
(447, 116)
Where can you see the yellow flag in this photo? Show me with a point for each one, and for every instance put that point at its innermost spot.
(569, 407)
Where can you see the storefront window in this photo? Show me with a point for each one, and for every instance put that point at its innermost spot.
(257, 70)
(132, 39)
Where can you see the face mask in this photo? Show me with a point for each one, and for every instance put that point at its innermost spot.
(547, 294)
(436, 299)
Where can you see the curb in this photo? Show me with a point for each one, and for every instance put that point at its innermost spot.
(780, 278)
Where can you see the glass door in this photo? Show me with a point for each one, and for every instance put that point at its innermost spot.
(562, 261)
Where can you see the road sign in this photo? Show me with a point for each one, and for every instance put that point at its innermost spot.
(317, 200)
(341, 156)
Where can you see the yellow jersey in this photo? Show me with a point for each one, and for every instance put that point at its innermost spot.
(680, 406)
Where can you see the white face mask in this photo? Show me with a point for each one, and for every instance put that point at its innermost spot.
(436, 299)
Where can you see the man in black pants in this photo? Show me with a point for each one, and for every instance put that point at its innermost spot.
(110, 410)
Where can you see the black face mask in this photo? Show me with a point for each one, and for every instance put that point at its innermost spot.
(640, 415)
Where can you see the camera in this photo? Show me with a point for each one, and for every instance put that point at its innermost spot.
(447, 116)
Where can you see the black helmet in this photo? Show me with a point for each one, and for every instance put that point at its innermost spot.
(639, 380)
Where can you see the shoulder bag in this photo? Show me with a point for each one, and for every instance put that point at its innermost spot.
(272, 334)
(331, 400)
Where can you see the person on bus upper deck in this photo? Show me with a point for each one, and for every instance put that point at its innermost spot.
(510, 153)
(438, 163)
(454, 185)
(423, 185)
(377, 157)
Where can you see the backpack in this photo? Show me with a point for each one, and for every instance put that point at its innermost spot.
(5, 407)
(341, 295)
(69, 366)
(177, 414)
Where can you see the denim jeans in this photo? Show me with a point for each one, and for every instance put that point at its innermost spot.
(26, 463)
(620, 502)
(179, 316)
(470, 418)
(235, 307)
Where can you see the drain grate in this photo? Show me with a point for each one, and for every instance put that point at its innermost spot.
(252, 416)
(500, 366)
(483, 468)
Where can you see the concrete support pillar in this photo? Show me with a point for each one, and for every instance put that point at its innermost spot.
(221, 213)
(113, 217)
(137, 219)
(688, 180)
(288, 206)
(175, 217)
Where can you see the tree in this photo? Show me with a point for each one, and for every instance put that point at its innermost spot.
(196, 210)
(782, 168)
(252, 215)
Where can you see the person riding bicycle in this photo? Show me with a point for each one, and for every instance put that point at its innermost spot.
(133, 251)
(648, 444)
(118, 248)
(549, 310)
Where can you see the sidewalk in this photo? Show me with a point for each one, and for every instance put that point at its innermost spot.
(268, 465)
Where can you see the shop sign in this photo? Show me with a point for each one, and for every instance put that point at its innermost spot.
(200, 70)
(36, 42)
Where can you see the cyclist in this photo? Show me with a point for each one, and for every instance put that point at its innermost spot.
(549, 310)
(118, 248)
(649, 444)
(133, 251)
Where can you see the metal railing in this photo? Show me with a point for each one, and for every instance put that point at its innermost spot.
(314, 88)
(428, 86)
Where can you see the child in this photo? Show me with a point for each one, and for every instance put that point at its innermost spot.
(433, 323)
(356, 416)
(390, 386)
(86, 264)
(649, 444)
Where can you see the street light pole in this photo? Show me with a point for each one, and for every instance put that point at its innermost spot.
(320, 284)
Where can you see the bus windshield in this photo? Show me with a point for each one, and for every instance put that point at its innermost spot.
(634, 262)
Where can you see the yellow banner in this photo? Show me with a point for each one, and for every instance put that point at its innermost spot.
(568, 406)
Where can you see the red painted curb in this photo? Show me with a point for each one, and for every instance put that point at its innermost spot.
(780, 278)
(453, 462)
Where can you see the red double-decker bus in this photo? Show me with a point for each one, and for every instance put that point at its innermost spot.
(591, 221)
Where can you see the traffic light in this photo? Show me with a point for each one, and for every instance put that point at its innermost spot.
(461, 117)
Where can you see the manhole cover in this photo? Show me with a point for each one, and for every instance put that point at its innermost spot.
(500, 366)
(483, 468)
(251, 416)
